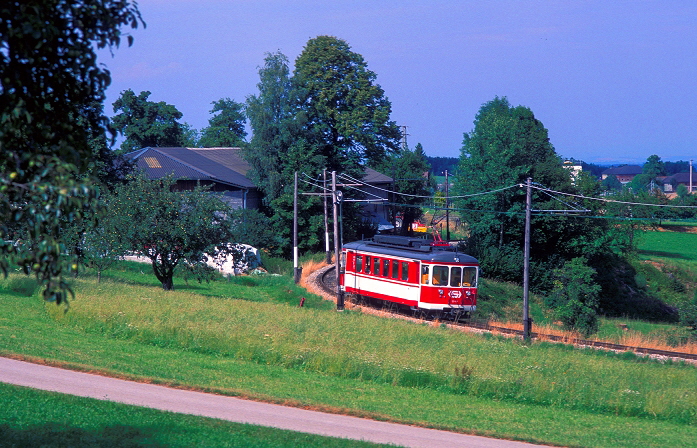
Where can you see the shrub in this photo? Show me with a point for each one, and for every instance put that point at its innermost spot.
(575, 296)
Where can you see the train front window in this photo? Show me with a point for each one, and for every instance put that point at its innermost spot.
(440, 275)
(359, 263)
(456, 276)
(469, 276)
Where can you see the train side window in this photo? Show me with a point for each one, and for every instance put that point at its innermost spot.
(359, 263)
(440, 275)
(367, 265)
(424, 275)
(405, 271)
(376, 266)
(395, 268)
(456, 276)
(469, 277)
(385, 267)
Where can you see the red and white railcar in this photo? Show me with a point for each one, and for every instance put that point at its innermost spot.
(411, 271)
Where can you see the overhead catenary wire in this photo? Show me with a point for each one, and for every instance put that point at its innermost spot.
(574, 209)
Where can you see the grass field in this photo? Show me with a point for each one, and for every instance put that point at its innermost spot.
(264, 346)
(670, 245)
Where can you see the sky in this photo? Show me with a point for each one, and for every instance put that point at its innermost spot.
(613, 81)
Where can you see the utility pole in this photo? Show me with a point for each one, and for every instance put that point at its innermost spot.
(297, 271)
(447, 208)
(336, 199)
(326, 218)
(526, 263)
(690, 176)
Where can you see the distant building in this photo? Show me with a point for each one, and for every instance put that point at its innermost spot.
(624, 173)
(671, 183)
(574, 170)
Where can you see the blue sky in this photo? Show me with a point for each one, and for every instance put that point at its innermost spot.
(613, 81)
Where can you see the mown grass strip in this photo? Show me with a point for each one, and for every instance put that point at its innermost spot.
(48, 419)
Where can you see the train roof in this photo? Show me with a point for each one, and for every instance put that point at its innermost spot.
(406, 247)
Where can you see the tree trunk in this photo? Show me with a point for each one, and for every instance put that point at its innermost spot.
(168, 284)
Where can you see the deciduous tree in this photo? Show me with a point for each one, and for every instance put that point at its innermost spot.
(226, 127)
(169, 227)
(147, 123)
(347, 112)
(49, 82)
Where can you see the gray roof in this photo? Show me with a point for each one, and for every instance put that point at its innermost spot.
(624, 169)
(224, 165)
(194, 164)
(373, 177)
(681, 178)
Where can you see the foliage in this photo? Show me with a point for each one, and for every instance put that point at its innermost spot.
(507, 146)
(169, 227)
(348, 114)
(146, 123)
(227, 128)
(409, 169)
(249, 226)
(611, 183)
(50, 83)
(277, 131)
(688, 316)
(441, 164)
(575, 296)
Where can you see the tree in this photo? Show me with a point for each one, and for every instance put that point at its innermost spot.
(277, 127)
(49, 82)
(227, 127)
(611, 183)
(654, 167)
(146, 123)
(348, 114)
(410, 170)
(575, 296)
(169, 227)
(508, 145)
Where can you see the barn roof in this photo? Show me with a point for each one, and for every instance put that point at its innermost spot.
(224, 165)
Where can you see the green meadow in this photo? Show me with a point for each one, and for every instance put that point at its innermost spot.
(248, 337)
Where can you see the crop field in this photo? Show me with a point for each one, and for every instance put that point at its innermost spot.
(248, 337)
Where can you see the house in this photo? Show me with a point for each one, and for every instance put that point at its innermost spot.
(623, 173)
(223, 169)
(670, 183)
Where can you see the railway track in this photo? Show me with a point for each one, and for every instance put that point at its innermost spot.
(327, 282)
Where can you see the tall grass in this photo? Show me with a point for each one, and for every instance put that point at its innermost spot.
(352, 345)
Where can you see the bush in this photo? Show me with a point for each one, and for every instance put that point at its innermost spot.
(575, 296)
